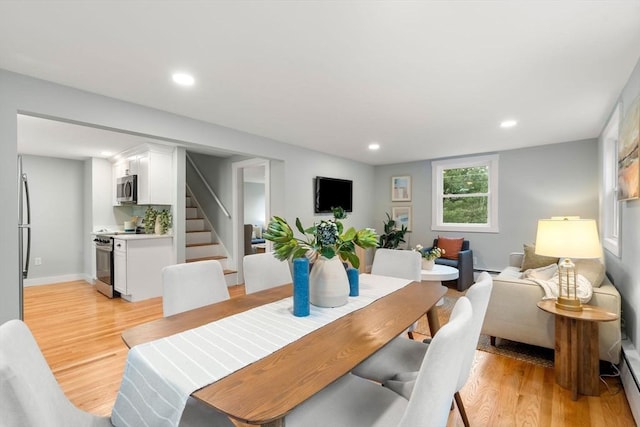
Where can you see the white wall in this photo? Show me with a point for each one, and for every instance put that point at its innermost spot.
(534, 183)
(57, 191)
(625, 270)
(254, 204)
(292, 191)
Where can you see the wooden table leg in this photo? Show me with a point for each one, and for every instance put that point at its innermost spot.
(577, 358)
(574, 358)
(589, 359)
(432, 319)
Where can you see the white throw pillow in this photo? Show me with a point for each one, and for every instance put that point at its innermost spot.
(541, 273)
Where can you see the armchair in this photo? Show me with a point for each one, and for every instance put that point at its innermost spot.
(464, 264)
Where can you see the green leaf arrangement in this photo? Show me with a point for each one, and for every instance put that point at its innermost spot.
(327, 238)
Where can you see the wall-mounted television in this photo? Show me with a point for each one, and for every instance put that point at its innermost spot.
(333, 193)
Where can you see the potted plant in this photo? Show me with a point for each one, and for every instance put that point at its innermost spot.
(392, 236)
(163, 218)
(429, 255)
(321, 243)
(149, 220)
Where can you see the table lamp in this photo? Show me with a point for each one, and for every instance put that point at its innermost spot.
(568, 237)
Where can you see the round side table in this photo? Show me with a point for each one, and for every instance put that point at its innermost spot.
(577, 357)
(440, 273)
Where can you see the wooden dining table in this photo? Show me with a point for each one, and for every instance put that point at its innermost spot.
(263, 392)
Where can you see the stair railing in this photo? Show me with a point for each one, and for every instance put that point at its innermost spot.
(208, 187)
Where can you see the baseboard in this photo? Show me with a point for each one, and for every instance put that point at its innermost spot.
(629, 370)
(56, 279)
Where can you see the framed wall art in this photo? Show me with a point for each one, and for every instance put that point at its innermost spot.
(401, 189)
(628, 167)
(402, 216)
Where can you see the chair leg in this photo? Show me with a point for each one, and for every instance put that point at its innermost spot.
(410, 333)
(492, 341)
(463, 414)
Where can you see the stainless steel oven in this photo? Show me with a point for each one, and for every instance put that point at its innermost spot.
(104, 266)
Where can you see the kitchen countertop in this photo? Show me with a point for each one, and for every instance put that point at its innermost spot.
(131, 236)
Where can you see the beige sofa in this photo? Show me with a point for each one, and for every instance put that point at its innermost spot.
(514, 315)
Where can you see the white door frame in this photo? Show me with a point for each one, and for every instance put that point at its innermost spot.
(237, 183)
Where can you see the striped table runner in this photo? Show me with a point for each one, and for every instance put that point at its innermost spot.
(160, 375)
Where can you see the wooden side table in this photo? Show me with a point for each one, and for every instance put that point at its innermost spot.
(577, 356)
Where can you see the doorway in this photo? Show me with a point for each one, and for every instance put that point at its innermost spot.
(246, 173)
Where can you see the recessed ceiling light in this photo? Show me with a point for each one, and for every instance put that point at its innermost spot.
(183, 79)
(374, 146)
(106, 153)
(508, 123)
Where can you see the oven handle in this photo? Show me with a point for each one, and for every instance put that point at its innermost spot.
(104, 248)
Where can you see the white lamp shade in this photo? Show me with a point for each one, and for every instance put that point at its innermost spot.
(571, 238)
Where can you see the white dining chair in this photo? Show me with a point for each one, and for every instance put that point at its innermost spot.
(397, 263)
(401, 264)
(31, 396)
(397, 363)
(264, 271)
(353, 401)
(192, 285)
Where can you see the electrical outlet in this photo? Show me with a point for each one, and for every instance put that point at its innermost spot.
(37, 261)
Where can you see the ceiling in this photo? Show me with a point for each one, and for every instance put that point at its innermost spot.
(424, 79)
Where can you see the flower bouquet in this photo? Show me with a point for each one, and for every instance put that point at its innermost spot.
(430, 254)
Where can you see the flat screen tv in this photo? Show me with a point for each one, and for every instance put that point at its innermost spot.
(333, 193)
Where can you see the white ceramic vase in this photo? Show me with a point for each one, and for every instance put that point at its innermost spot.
(427, 264)
(158, 226)
(328, 283)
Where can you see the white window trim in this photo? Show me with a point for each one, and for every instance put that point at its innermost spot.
(610, 208)
(437, 166)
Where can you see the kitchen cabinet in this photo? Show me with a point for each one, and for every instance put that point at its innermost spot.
(154, 178)
(153, 165)
(138, 261)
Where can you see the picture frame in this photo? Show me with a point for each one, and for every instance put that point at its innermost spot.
(402, 215)
(401, 188)
(628, 160)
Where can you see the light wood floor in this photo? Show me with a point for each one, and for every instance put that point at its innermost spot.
(79, 330)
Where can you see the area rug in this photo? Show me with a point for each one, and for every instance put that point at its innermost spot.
(524, 352)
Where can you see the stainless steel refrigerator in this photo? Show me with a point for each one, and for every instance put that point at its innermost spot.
(24, 239)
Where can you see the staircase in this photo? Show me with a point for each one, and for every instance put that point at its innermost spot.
(201, 240)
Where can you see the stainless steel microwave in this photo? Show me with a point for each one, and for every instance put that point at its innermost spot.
(127, 189)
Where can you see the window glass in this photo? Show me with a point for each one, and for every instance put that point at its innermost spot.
(465, 194)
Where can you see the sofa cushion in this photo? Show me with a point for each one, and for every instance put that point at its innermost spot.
(532, 260)
(591, 269)
(451, 246)
(449, 262)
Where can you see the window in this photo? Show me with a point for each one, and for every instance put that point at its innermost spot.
(465, 194)
(609, 211)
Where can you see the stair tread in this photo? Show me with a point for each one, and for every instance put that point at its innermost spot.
(207, 258)
(191, 245)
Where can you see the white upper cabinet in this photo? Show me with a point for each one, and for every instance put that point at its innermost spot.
(153, 166)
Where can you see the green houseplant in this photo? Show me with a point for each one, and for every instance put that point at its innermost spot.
(327, 239)
(328, 282)
(392, 236)
(149, 219)
(164, 218)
